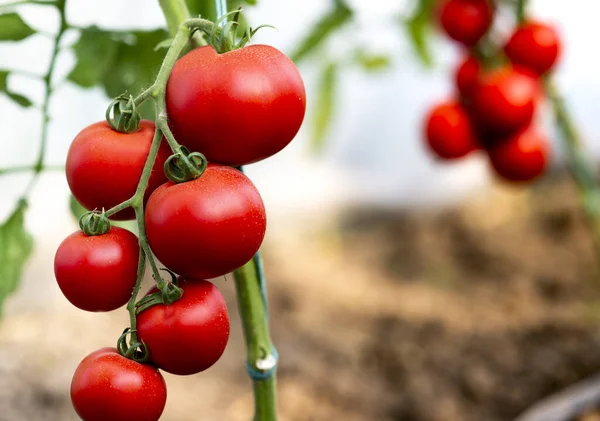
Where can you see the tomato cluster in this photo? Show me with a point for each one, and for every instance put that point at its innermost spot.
(235, 108)
(497, 95)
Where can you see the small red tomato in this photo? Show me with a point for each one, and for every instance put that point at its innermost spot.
(207, 227)
(97, 272)
(466, 21)
(236, 108)
(467, 76)
(190, 335)
(109, 387)
(104, 166)
(521, 157)
(449, 132)
(504, 100)
(535, 46)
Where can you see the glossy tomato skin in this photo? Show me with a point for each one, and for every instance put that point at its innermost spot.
(466, 21)
(207, 227)
(190, 335)
(449, 132)
(521, 157)
(104, 166)
(109, 387)
(535, 46)
(236, 108)
(504, 101)
(467, 76)
(97, 273)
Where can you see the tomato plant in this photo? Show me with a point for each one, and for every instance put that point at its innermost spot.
(104, 166)
(238, 107)
(108, 386)
(449, 132)
(207, 227)
(190, 335)
(97, 272)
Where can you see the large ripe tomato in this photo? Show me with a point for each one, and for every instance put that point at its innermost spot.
(109, 387)
(504, 100)
(190, 335)
(449, 132)
(535, 46)
(238, 107)
(207, 227)
(104, 166)
(466, 21)
(521, 157)
(467, 76)
(98, 272)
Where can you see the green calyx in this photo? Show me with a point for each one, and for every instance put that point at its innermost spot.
(168, 293)
(122, 115)
(185, 166)
(225, 38)
(94, 223)
(136, 350)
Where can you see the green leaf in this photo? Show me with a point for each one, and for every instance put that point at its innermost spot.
(3, 79)
(419, 28)
(332, 21)
(324, 106)
(372, 62)
(16, 246)
(20, 99)
(77, 210)
(118, 61)
(13, 28)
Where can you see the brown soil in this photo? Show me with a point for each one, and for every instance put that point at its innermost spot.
(471, 313)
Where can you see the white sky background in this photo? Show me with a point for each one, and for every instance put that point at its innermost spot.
(375, 152)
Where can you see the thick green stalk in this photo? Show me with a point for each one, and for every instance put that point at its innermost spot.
(260, 357)
(176, 12)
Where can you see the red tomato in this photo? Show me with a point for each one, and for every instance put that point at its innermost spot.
(190, 335)
(521, 157)
(467, 76)
(207, 227)
(238, 107)
(109, 387)
(535, 46)
(449, 132)
(466, 21)
(504, 100)
(98, 272)
(104, 166)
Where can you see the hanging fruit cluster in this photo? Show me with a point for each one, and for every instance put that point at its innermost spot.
(200, 217)
(498, 89)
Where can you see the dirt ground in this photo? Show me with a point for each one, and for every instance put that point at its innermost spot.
(470, 313)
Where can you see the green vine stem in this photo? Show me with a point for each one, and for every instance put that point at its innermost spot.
(38, 167)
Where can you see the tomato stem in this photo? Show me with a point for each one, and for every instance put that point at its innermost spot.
(261, 354)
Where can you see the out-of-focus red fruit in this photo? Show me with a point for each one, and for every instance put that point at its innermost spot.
(466, 21)
(449, 132)
(534, 45)
(520, 157)
(467, 76)
(504, 100)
